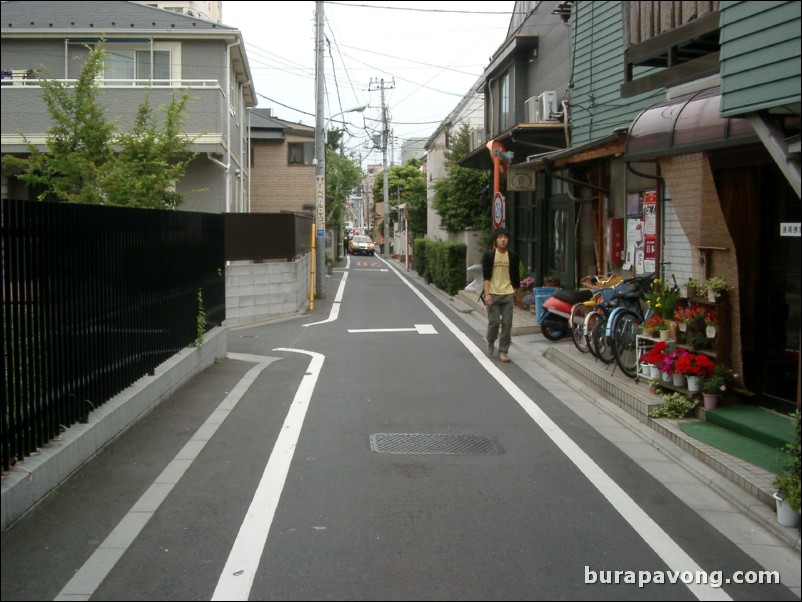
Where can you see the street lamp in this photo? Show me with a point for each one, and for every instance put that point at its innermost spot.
(359, 109)
(320, 193)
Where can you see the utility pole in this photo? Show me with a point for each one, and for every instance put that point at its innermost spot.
(385, 138)
(320, 160)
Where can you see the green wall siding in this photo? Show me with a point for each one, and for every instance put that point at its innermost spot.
(598, 72)
(760, 55)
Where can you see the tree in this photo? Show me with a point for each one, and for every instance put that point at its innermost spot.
(457, 197)
(81, 165)
(343, 174)
(407, 184)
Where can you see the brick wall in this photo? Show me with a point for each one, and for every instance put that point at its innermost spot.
(276, 185)
(689, 181)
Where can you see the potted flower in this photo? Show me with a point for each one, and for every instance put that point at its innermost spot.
(711, 324)
(662, 297)
(715, 385)
(788, 483)
(654, 325)
(654, 357)
(715, 287)
(689, 289)
(694, 366)
(523, 292)
(669, 366)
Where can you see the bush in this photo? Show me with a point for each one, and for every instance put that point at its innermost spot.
(675, 405)
(445, 264)
(419, 250)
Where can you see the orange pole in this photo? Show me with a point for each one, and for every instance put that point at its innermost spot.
(499, 163)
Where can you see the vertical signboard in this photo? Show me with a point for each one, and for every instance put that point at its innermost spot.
(649, 231)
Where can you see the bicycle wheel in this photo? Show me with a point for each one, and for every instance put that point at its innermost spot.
(577, 324)
(625, 343)
(602, 343)
(590, 323)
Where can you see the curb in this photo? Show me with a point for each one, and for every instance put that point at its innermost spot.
(29, 482)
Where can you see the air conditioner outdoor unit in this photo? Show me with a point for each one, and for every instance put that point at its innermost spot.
(477, 138)
(547, 105)
(530, 110)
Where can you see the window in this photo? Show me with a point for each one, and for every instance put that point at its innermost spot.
(504, 108)
(157, 61)
(300, 153)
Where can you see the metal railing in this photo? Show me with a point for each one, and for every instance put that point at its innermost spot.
(94, 298)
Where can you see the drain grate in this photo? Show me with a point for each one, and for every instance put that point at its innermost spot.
(422, 443)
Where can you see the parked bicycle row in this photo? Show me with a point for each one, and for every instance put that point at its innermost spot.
(603, 318)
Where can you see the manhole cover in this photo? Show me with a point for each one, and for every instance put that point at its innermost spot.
(422, 443)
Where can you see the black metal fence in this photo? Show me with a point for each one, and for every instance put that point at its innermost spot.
(93, 299)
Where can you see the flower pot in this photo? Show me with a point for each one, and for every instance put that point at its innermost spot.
(694, 383)
(664, 335)
(710, 331)
(654, 372)
(683, 326)
(679, 380)
(786, 516)
(644, 370)
(712, 296)
(666, 377)
(710, 400)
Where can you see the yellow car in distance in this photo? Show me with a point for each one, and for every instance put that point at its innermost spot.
(361, 245)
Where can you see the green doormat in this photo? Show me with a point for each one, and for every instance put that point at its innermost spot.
(770, 458)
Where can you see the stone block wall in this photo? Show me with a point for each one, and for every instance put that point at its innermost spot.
(259, 291)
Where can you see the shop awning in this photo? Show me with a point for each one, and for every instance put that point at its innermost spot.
(522, 140)
(688, 124)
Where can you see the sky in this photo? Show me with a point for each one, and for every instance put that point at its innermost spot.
(428, 57)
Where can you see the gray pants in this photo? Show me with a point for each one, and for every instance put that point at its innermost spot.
(500, 314)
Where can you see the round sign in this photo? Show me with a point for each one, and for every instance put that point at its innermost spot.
(498, 211)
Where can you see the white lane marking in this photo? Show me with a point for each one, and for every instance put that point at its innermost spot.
(98, 566)
(654, 536)
(419, 328)
(335, 307)
(239, 572)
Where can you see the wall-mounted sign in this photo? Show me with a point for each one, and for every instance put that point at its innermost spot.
(790, 229)
(521, 180)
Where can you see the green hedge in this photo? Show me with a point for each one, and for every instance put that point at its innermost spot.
(442, 263)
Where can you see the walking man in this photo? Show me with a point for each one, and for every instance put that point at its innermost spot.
(500, 279)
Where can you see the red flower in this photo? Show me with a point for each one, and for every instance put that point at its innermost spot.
(695, 364)
(656, 354)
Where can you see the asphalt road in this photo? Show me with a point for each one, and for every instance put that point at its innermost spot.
(370, 451)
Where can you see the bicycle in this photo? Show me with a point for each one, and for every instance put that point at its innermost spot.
(622, 328)
(604, 287)
(601, 324)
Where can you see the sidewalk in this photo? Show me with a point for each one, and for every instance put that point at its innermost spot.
(746, 486)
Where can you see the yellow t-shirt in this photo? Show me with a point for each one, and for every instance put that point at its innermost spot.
(500, 280)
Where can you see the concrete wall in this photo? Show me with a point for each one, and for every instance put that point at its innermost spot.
(256, 291)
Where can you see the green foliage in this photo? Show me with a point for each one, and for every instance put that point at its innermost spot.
(456, 198)
(406, 184)
(445, 263)
(419, 250)
(200, 321)
(343, 175)
(788, 481)
(675, 405)
(81, 165)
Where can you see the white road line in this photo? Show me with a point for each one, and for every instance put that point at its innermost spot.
(335, 307)
(662, 544)
(98, 566)
(237, 577)
(419, 328)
